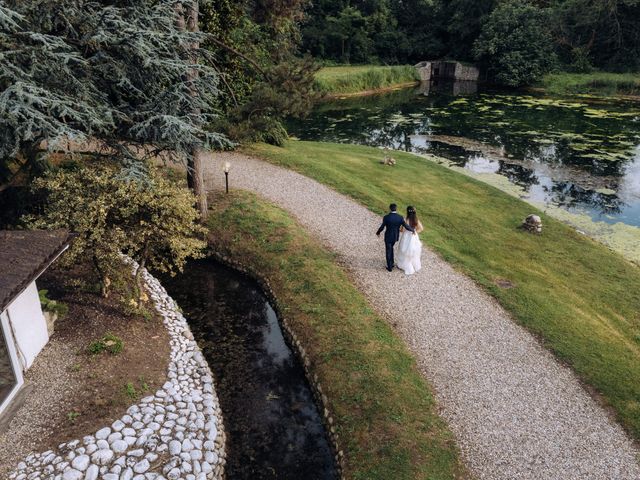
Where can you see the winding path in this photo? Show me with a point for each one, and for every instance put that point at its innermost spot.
(516, 412)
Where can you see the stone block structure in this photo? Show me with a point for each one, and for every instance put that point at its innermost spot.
(447, 70)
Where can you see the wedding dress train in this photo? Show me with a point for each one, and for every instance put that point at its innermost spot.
(409, 251)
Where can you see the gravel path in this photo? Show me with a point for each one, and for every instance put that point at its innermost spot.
(516, 412)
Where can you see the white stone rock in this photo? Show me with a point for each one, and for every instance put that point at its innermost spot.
(141, 441)
(81, 462)
(72, 474)
(136, 453)
(152, 457)
(103, 433)
(102, 444)
(175, 447)
(127, 474)
(92, 472)
(206, 467)
(174, 474)
(127, 419)
(209, 445)
(133, 409)
(117, 425)
(119, 446)
(142, 466)
(102, 457)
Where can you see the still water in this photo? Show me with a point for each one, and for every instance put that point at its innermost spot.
(274, 429)
(579, 153)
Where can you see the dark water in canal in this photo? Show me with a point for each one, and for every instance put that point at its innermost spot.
(579, 153)
(274, 429)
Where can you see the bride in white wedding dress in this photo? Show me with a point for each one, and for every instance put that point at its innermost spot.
(410, 246)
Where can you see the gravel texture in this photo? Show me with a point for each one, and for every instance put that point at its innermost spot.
(516, 412)
(177, 433)
(50, 375)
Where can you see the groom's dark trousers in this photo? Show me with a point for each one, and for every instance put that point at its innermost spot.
(391, 224)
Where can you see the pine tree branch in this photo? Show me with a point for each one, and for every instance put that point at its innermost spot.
(229, 48)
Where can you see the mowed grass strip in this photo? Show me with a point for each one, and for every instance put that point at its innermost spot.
(598, 83)
(347, 79)
(383, 409)
(581, 299)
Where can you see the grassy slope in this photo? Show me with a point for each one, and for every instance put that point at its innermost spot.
(360, 78)
(384, 412)
(602, 83)
(578, 296)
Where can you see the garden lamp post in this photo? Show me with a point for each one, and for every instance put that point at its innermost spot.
(227, 166)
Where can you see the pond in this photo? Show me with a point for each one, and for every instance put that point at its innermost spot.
(578, 153)
(274, 429)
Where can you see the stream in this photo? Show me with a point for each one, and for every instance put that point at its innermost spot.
(274, 428)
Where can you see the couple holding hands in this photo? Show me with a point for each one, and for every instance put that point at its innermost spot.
(405, 230)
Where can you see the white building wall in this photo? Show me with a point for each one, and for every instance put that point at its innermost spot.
(28, 325)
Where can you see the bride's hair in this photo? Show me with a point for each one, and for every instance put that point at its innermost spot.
(412, 216)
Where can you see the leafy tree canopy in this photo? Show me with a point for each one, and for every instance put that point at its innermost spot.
(515, 44)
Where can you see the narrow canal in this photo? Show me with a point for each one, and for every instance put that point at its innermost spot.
(274, 429)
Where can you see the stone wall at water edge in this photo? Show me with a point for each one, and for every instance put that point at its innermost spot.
(447, 70)
(177, 433)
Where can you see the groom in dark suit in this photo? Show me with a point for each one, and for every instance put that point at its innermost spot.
(392, 222)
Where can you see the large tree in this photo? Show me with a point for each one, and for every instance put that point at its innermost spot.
(117, 78)
(605, 34)
(254, 46)
(515, 44)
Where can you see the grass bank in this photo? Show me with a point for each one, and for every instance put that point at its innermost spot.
(384, 412)
(579, 297)
(598, 83)
(362, 79)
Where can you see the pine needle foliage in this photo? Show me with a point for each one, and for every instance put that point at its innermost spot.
(113, 74)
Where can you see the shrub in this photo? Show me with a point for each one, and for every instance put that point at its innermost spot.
(109, 343)
(52, 306)
(152, 220)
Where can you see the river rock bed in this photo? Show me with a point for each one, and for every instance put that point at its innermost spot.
(177, 433)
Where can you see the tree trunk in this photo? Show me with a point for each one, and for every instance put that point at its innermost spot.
(188, 18)
(195, 179)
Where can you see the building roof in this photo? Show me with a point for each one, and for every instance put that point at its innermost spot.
(24, 255)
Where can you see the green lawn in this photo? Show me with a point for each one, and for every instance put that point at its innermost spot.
(579, 297)
(384, 411)
(348, 79)
(600, 83)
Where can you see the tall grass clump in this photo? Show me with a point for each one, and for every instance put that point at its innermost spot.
(600, 83)
(353, 79)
